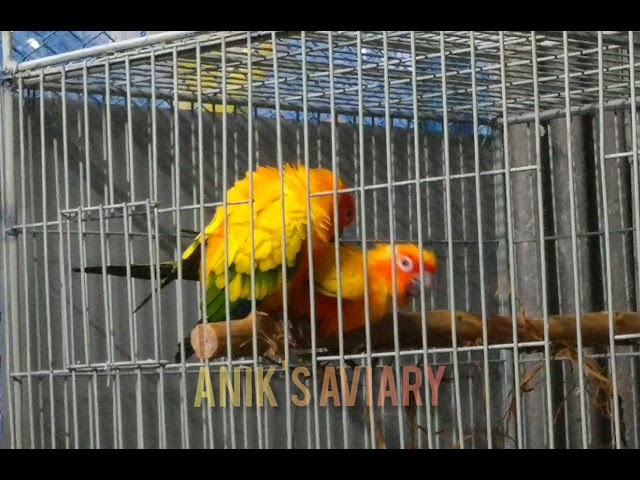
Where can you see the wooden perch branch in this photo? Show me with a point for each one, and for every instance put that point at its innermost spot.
(210, 340)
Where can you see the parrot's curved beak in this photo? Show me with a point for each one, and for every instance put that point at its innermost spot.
(415, 287)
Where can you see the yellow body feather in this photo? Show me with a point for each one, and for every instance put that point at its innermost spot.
(267, 224)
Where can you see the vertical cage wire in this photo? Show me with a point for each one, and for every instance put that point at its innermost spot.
(510, 243)
(607, 247)
(541, 243)
(574, 240)
(9, 268)
(449, 227)
(416, 147)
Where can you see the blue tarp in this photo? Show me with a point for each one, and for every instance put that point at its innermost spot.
(29, 45)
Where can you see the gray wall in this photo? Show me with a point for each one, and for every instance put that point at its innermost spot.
(135, 397)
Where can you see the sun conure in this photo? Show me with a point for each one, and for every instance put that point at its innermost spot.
(380, 284)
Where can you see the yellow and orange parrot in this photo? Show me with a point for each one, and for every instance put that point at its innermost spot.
(267, 238)
(380, 284)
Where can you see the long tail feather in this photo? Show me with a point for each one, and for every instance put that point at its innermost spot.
(190, 271)
(165, 281)
(168, 272)
(142, 271)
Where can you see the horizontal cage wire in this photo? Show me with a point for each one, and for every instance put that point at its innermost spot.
(512, 157)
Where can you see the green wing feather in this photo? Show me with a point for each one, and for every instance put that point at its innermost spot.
(265, 281)
(241, 307)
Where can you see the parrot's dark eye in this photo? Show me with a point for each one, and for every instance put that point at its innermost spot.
(405, 264)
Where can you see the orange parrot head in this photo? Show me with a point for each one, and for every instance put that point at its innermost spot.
(407, 265)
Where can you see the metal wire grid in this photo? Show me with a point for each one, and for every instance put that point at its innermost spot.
(582, 51)
(109, 196)
(30, 45)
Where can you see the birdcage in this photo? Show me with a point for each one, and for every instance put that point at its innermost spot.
(511, 155)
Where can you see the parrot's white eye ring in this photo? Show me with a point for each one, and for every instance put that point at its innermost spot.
(405, 263)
